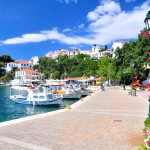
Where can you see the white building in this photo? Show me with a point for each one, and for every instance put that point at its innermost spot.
(62, 52)
(28, 76)
(51, 55)
(87, 52)
(57, 53)
(95, 53)
(73, 52)
(34, 60)
(95, 48)
(20, 64)
(107, 53)
(115, 45)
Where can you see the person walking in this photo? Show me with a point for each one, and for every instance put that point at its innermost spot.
(102, 86)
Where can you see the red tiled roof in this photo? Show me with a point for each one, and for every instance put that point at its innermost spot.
(21, 61)
(30, 72)
(26, 70)
(79, 78)
(11, 63)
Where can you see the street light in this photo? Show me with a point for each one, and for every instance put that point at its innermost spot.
(132, 64)
(147, 20)
(147, 23)
(124, 72)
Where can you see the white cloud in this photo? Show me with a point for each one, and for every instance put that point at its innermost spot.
(26, 38)
(47, 35)
(66, 30)
(106, 7)
(107, 23)
(81, 26)
(129, 1)
(67, 1)
(121, 25)
(74, 47)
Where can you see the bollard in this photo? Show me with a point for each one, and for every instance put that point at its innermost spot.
(81, 99)
(68, 107)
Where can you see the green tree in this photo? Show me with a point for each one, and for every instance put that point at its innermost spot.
(5, 59)
(105, 68)
(133, 51)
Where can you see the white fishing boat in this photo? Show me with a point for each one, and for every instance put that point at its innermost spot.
(82, 90)
(67, 93)
(32, 96)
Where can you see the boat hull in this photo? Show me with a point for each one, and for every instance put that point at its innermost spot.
(56, 101)
(71, 96)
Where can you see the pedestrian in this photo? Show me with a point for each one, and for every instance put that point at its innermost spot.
(102, 87)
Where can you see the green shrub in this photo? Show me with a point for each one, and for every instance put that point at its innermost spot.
(147, 122)
(143, 147)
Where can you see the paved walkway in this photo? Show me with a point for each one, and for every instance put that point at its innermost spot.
(106, 120)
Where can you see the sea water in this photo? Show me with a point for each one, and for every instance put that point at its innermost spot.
(10, 110)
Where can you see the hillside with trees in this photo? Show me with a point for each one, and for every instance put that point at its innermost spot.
(117, 68)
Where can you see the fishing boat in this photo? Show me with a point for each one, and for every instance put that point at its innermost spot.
(81, 89)
(67, 92)
(32, 96)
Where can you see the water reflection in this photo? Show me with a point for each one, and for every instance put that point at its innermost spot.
(10, 110)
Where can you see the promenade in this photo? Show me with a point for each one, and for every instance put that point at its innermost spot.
(106, 120)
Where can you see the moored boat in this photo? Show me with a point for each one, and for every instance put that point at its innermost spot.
(32, 96)
(67, 93)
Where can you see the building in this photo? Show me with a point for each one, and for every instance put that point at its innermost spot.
(95, 53)
(115, 45)
(107, 53)
(34, 60)
(62, 52)
(20, 64)
(57, 53)
(28, 76)
(95, 48)
(51, 55)
(87, 52)
(73, 52)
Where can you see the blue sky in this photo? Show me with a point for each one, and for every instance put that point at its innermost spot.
(34, 27)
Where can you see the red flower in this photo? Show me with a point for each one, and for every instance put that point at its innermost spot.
(145, 34)
(148, 143)
(148, 84)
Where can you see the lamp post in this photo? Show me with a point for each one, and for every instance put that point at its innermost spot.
(124, 72)
(132, 64)
(147, 20)
(149, 107)
(147, 23)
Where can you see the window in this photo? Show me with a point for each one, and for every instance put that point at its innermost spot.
(35, 96)
(41, 97)
(49, 96)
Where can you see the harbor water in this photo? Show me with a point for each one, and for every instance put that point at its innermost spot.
(9, 110)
